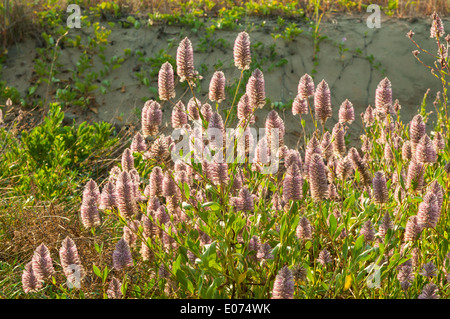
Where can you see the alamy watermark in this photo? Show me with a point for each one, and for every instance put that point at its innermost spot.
(374, 20)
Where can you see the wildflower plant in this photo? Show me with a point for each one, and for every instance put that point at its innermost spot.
(274, 222)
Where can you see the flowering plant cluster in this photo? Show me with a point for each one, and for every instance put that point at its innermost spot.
(209, 224)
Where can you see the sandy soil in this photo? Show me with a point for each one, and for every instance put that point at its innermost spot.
(350, 75)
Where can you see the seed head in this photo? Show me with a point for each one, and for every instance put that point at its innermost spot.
(217, 87)
(380, 191)
(30, 282)
(242, 54)
(114, 289)
(299, 106)
(245, 110)
(425, 150)
(322, 102)
(429, 292)
(305, 87)
(368, 231)
(412, 229)
(437, 27)
(166, 87)
(122, 255)
(283, 287)
(194, 105)
(255, 89)
(368, 117)
(179, 115)
(185, 60)
(304, 229)
(324, 257)
(151, 118)
(346, 112)
(338, 137)
(383, 97)
(138, 144)
(292, 184)
(126, 195)
(42, 263)
(317, 178)
(428, 214)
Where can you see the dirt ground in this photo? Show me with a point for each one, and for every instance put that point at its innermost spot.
(350, 74)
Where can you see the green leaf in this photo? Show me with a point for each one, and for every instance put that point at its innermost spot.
(212, 205)
(333, 224)
(97, 271)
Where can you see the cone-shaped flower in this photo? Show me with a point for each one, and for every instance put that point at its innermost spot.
(359, 164)
(380, 191)
(383, 97)
(30, 282)
(70, 260)
(244, 202)
(304, 229)
(283, 287)
(89, 206)
(206, 111)
(344, 168)
(114, 289)
(264, 252)
(169, 187)
(386, 223)
(406, 151)
(405, 276)
(217, 87)
(429, 292)
(415, 175)
(179, 115)
(412, 229)
(437, 190)
(338, 137)
(273, 123)
(185, 60)
(108, 197)
(324, 257)
(305, 87)
(219, 173)
(122, 255)
(151, 118)
(313, 147)
(194, 105)
(159, 149)
(439, 141)
(368, 116)
(437, 27)
(428, 270)
(299, 106)
(255, 89)
(322, 102)
(254, 245)
(138, 143)
(326, 145)
(126, 195)
(245, 110)
(292, 183)
(425, 150)
(42, 263)
(127, 160)
(346, 112)
(317, 178)
(368, 231)
(428, 214)
(241, 51)
(417, 129)
(156, 182)
(166, 87)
